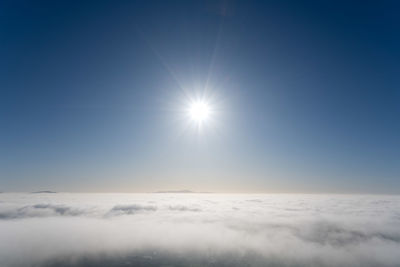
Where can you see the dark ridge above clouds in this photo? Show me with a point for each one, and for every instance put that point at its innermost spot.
(184, 191)
(44, 192)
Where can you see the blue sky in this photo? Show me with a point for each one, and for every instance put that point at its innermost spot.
(306, 95)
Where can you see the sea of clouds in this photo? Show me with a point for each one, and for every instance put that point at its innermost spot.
(199, 230)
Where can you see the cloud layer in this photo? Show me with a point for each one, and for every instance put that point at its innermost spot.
(199, 230)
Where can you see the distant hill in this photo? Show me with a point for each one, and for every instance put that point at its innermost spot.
(44, 192)
(179, 192)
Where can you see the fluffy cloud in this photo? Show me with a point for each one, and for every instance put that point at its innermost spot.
(199, 230)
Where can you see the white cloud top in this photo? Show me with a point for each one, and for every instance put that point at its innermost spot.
(204, 229)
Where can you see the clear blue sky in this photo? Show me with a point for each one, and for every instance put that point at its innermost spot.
(307, 96)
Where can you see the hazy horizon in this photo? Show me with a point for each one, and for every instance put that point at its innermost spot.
(202, 192)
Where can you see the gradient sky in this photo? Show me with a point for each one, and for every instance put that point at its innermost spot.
(306, 93)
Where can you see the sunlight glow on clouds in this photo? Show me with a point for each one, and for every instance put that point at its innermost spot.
(203, 229)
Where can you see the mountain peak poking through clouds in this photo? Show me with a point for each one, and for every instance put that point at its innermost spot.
(183, 191)
(44, 192)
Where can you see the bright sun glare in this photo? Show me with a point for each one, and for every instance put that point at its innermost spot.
(199, 111)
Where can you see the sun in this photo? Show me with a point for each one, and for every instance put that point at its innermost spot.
(199, 111)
